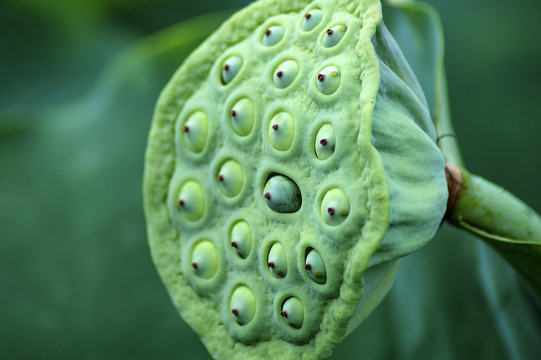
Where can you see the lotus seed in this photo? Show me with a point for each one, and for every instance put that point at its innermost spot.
(276, 261)
(273, 35)
(196, 131)
(243, 305)
(316, 267)
(312, 19)
(282, 194)
(286, 73)
(230, 69)
(231, 178)
(191, 201)
(242, 116)
(293, 312)
(281, 131)
(335, 207)
(328, 80)
(241, 239)
(205, 259)
(334, 35)
(325, 142)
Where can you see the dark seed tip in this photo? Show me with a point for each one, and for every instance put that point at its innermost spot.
(267, 195)
(181, 202)
(275, 127)
(220, 178)
(321, 77)
(235, 312)
(234, 244)
(271, 265)
(268, 32)
(283, 313)
(329, 31)
(330, 211)
(226, 67)
(308, 267)
(233, 113)
(308, 16)
(279, 74)
(323, 142)
(186, 128)
(194, 265)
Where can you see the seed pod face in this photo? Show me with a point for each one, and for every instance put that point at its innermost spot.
(296, 215)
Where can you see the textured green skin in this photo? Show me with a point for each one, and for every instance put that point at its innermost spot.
(385, 161)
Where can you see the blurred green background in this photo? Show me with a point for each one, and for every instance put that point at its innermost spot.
(79, 80)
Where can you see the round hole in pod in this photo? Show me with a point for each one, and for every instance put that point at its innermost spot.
(335, 207)
(241, 238)
(204, 259)
(328, 80)
(191, 200)
(243, 304)
(230, 178)
(315, 266)
(292, 312)
(311, 19)
(333, 35)
(277, 261)
(282, 131)
(195, 131)
(325, 143)
(273, 35)
(285, 73)
(242, 116)
(230, 69)
(282, 194)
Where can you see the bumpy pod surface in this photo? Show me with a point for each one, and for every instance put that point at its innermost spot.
(312, 168)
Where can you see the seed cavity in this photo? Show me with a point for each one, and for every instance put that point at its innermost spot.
(277, 261)
(282, 194)
(242, 116)
(333, 35)
(273, 35)
(191, 201)
(205, 259)
(315, 266)
(286, 73)
(230, 69)
(335, 207)
(328, 80)
(325, 142)
(231, 178)
(196, 131)
(241, 239)
(293, 312)
(312, 19)
(243, 305)
(282, 131)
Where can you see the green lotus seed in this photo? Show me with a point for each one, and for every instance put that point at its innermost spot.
(241, 239)
(273, 35)
(195, 131)
(205, 259)
(285, 73)
(191, 201)
(293, 312)
(334, 207)
(276, 261)
(333, 35)
(282, 194)
(281, 131)
(231, 178)
(315, 267)
(243, 305)
(328, 80)
(230, 69)
(311, 19)
(325, 142)
(242, 116)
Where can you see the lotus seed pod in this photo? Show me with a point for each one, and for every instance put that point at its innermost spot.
(231, 68)
(282, 131)
(241, 239)
(315, 266)
(195, 131)
(343, 216)
(243, 305)
(242, 116)
(293, 312)
(273, 35)
(205, 259)
(325, 142)
(282, 194)
(231, 178)
(333, 35)
(191, 201)
(276, 261)
(312, 19)
(328, 80)
(286, 73)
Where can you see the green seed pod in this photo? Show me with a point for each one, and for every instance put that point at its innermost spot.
(349, 212)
